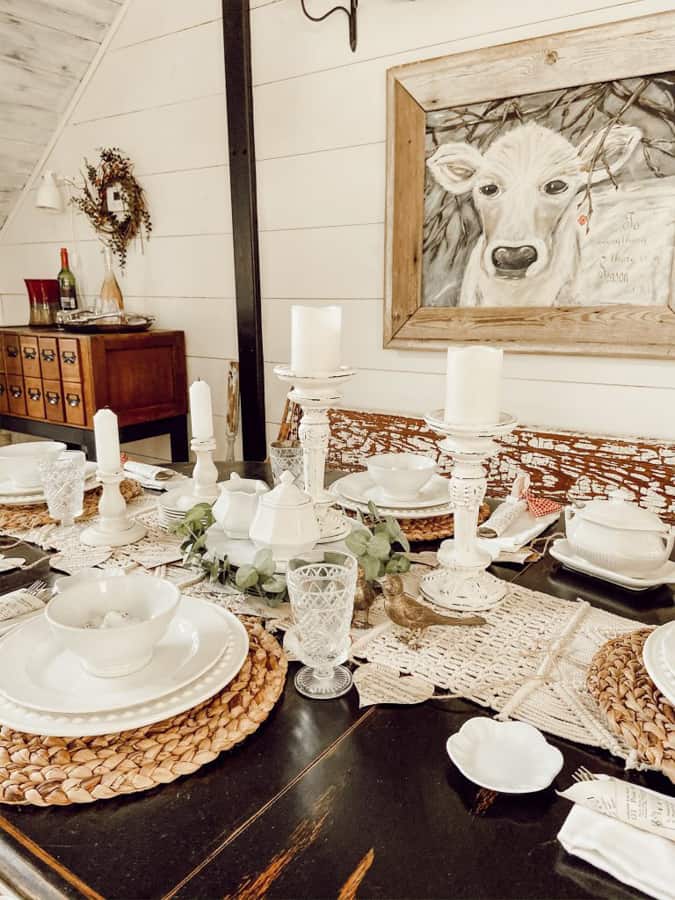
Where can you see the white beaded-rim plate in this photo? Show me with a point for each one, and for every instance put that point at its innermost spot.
(39, 674)
(508, 757)
(658, 656)
(428, 512)
(24, 498)
(33, 721)
(361, 488)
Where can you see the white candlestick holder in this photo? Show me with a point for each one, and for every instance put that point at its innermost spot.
(205, 473)
(114, 526)
(316, 394)
(461, 582)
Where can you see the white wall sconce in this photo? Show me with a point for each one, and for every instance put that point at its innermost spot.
(49, 194)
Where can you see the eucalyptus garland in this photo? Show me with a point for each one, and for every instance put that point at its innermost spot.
(117, 230)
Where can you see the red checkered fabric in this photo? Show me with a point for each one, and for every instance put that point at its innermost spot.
(540, 506)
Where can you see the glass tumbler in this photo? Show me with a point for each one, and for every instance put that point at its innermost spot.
(321, 589)
(63, 485)
(286, 456)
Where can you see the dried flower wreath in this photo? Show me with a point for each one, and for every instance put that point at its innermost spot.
(118, 226)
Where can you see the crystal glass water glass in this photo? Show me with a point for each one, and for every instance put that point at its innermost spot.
(63, 485)
(286, 456)
(321, 589)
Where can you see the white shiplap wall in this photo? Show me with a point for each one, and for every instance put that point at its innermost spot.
(158, 93)
(320, 131)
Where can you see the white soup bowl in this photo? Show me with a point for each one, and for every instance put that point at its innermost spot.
(112, 652)
(401, 476)
(19, 462)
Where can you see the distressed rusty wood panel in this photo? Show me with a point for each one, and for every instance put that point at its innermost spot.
(562, 465)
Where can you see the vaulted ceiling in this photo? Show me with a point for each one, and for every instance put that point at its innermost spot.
(45, 49)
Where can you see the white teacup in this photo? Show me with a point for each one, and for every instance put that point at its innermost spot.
(19, 462)
(237, 505)
(401, 475)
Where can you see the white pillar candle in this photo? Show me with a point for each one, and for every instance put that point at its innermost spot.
(107, 438)
(201, 412)
(473, 386)
(316, 333)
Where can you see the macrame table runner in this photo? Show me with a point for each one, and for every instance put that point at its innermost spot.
(528, 662)
(49, 771)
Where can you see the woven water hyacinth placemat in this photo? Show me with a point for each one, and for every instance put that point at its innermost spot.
(51, 771)
(435, 528)
(33, 515)
(634, 709)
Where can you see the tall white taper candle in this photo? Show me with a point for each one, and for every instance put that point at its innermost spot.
(316, 333)
(201, 412)
(107, 437)
(473, 385)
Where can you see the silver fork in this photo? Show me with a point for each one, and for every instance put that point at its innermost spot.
(36, 587)
(582, 774)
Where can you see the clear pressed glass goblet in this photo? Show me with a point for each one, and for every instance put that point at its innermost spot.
(63, 485)
(321, 589)
(286, 456)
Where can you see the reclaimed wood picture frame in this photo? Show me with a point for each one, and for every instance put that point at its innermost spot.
(530, 195)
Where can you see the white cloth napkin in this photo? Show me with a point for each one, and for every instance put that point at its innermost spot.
(635, 857)
(155, 477)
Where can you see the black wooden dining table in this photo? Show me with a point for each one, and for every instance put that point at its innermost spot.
(327, 800)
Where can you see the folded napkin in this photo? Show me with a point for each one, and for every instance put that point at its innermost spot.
(17, 607)
(146, 472)
(635, 857)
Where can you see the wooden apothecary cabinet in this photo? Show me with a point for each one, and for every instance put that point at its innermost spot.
(52, 383)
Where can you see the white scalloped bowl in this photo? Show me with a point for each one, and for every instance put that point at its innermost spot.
(508, 757)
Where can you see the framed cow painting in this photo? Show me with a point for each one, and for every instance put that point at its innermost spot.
(531, 194)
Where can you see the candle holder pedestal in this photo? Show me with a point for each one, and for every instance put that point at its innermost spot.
(205, 473)
(462, 582)
(316, 394)
(115, 527)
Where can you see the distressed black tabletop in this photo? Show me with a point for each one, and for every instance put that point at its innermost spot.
(325, 800)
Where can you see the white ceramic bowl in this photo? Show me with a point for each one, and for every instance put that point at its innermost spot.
(111, 652)
(401, 475)
(19, 462)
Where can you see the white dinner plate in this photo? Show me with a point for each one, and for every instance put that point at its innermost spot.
(38, 673)
(508, 757)
(33, 721)
(9, 489)
(659, 659)
(562, 551)
(361, 488)
(428, 512)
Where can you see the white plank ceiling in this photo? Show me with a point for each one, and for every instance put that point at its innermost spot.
(45, 49)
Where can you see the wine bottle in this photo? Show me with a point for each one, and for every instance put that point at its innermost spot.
(67, 284)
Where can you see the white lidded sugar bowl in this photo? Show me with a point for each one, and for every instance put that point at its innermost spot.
(619, 536)
(237, 505)
(285, 521)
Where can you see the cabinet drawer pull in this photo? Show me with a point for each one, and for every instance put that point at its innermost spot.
(30, 352)
(34, 393)
(73, 399)
(69, 357)
(53, 398)
(2, 389)
(48, 355)
(15, 391)
(12, 351)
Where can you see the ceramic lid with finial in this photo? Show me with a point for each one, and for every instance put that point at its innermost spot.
(286, 495)
(619, 512)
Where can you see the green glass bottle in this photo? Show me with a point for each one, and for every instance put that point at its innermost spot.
(67, 284)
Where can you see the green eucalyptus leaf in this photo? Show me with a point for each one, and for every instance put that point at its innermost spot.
(246, 577)
(398, 564)
(371, 567)
(379, 546)
(263, 561)
(274, 585)
(334, 558)
(374, 511)
(396, 534)
(357, 542)
(382, 528)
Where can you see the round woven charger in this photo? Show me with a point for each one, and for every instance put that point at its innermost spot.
(634, 708)
(33, 515)
(434, 529)
(49, 771)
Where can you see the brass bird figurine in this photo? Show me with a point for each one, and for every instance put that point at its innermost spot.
(407, 612)
(363, 599)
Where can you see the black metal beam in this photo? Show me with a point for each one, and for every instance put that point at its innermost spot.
(238, 88)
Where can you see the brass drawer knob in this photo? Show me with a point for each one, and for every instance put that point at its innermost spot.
(69, 357)
(15, 391)
(2, 389)
(48, 355)
(34, 393)
(30, 352)
(12, 351)
(73, 399)
(53, 398)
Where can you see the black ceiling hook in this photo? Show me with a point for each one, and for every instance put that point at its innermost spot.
(350, 13)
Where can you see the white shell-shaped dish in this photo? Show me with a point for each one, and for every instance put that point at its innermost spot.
(508, 757)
